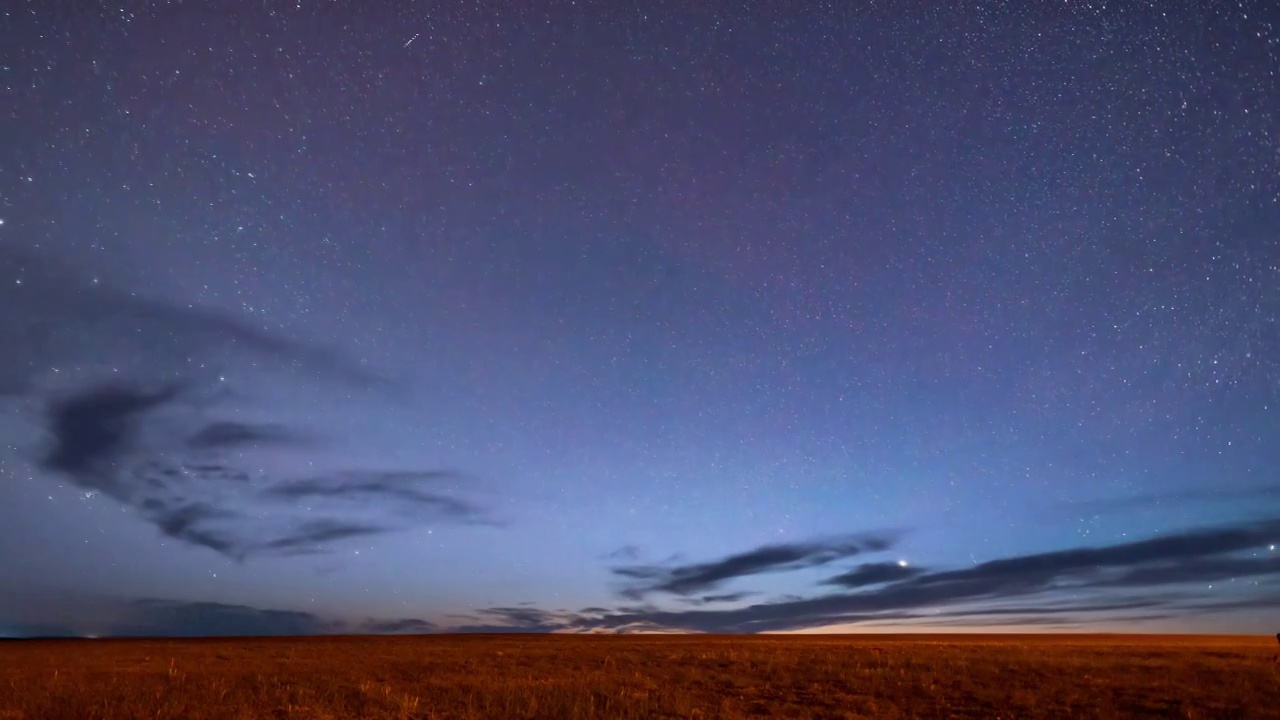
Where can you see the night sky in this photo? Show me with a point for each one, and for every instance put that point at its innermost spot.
(585, 316)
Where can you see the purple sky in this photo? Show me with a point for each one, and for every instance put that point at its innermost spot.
(393, 317)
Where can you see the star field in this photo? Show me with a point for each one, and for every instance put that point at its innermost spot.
(583, 316)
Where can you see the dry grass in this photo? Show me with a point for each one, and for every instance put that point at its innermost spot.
(568, 677)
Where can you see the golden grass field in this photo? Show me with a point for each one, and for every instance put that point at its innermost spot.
(688, 676)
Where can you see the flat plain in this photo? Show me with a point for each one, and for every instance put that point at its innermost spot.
(570, 677)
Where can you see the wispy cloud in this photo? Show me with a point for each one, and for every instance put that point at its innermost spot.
(700, 577)
(1170, 574)
(153, 437)
(626, 552)
(54, 316)
(105, 439)
(874, 574)
(720, 598)
(230, 434)
(1151, 579)
(407, 489)
(106, 616)
(170, 618)
(403, 626)
(516, 619)
(92, 429)
(1267, 493)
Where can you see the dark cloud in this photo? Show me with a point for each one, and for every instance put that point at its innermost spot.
(405, 626)
(724, 597)
(1264, 602)
(120, 440)
(966, 616)
(516, 620)
(31, 631)
(700, 577)
(102, 616)
(1198, 570)
(626, 552)
(1170, 568)
(177, 618)
(874, 574)
(1030, 623)
(192, 523)
(1081, 563)
(311, 536)
(169, 618)
(228, 434)
(497, 629)
(93, 428)
(403, 487)
(1078, 609)
(150, 438)
(525, 617)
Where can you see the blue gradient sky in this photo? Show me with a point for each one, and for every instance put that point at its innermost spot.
(656, 287)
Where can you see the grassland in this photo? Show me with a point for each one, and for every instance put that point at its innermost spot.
(578, 677)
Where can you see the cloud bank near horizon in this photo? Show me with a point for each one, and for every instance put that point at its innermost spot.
(1157, 578)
